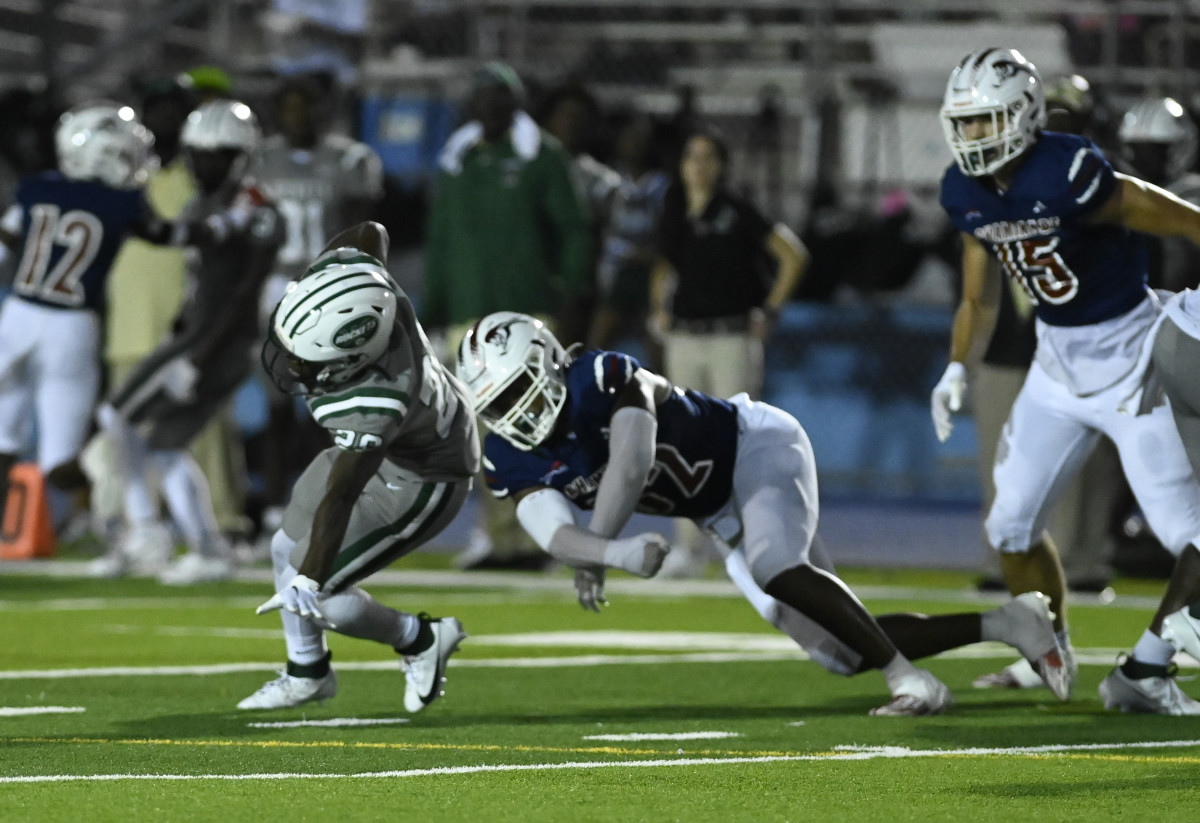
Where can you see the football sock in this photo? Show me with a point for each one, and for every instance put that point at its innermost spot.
(920, 635)
(304, 639)
(1153, 649)
(317, 668)
(422, 638)
(1137, 670)
(895, 672)
(357, 614)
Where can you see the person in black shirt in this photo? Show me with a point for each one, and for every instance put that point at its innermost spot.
(713, 300)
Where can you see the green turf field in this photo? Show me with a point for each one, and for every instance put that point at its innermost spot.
(678, 703)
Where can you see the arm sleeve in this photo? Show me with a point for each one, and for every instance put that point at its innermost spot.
(542, 513)
(630, 459)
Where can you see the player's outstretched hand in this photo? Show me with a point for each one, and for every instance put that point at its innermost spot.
(589, 584)
(947, 398)
(301, 596)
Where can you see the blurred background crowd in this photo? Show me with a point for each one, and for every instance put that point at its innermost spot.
(818, 116)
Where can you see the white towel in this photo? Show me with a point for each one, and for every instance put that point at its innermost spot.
(525, 135)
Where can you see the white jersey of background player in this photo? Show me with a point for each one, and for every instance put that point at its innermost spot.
(1065, 227)
(405, 449)
(65, 228)
(322, 182)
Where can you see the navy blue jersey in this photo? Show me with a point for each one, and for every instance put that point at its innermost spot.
(693, 463)
(70, 230)
(1078, 273)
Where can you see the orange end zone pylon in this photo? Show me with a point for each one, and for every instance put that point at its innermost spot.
(26, 531)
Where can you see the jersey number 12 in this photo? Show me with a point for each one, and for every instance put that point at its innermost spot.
(79, 234)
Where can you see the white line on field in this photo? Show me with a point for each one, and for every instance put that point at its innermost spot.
(662, 736)
(1087, 657)
(21, 711)
(553, 583)
(866, 754)
(385, 665)
(333, 721)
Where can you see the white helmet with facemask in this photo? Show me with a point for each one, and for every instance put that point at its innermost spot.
(1163, 124)
(514, 370)
(105, 142)
(1001, 85)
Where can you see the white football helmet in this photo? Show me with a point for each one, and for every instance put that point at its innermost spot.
(222, 124)
(1002, 85)
(332, 323)
(513, 366)
(105, 142)
(1164, 121)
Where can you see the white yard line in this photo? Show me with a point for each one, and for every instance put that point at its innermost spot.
(21, 711)
(1085, 657)
(426, 578)
(382, 665)
(890, 752)
(332, 722)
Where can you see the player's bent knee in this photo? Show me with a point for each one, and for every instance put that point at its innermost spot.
(1008, 537)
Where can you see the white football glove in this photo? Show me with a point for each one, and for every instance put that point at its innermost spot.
(179, 377)
(947, 398)
(589, 584)
(301, 596)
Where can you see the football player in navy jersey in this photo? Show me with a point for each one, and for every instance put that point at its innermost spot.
(64, 229)
(1067, 228)
(599, 432)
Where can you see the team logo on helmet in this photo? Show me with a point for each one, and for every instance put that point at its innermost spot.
(355, 333)
(500, 334)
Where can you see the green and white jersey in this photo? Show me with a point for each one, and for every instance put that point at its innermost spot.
(314, 189)
(408, 403)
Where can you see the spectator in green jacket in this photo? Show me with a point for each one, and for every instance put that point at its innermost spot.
(509, 230)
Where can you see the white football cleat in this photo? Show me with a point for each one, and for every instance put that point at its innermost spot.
(149, 548)
(1030, 629)
(425, 672)
(916, 696)
(287, 691)
(1146, 695)
(1182, 631)
(194, 567)
(110, 565)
